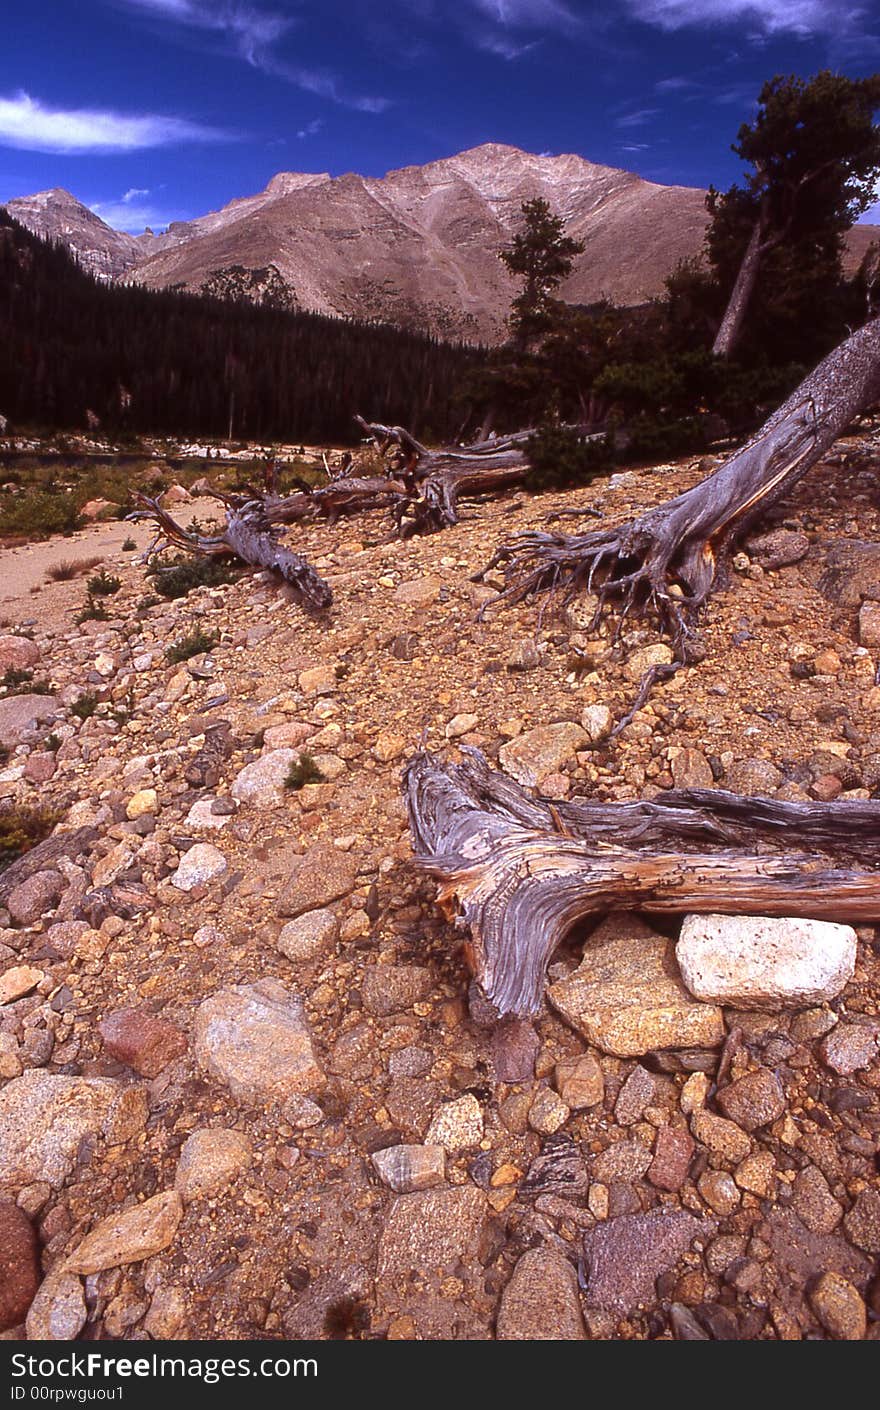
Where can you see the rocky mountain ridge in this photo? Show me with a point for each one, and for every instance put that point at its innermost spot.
(418, 246)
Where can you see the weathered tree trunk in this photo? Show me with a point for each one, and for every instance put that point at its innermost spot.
(248, 535)
(524, 871)
(741, 294)
(435, 480)
(678, 545)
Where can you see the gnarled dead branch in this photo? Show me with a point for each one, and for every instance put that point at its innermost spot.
(666, 562)
(523, 870)
(249, 534)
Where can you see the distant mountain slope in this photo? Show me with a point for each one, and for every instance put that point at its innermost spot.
(417, 247)
(57, 215)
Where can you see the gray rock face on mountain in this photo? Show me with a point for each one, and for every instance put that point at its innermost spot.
(417, 247)
(59, 216)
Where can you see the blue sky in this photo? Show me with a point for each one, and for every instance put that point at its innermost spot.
(156, 110)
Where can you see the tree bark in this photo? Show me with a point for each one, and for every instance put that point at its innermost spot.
(665, 563)
(524, 870)
(741, 294)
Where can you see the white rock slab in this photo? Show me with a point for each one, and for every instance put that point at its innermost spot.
(755, 960)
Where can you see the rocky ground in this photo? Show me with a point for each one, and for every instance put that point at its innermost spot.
(245, 1091)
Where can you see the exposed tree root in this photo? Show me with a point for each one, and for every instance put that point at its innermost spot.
(665, 564)
(434, 481)
(523, 870)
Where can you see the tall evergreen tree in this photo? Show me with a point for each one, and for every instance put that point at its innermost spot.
(541, 254)
(814, 152)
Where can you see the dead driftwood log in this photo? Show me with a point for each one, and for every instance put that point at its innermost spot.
(249, 535)
(420, 487)
(523, 871)
(435, 480)
(666, 563)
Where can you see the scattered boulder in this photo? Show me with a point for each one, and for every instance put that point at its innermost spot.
(419, 592)
(392, 988)
(263, 783)
(541, 1301)
(645, 658)
(256, 1040)
(534, 755)
(457, 1125)
(869, 624)
(626, 999)
(626, 1255)
(408, 1168)
(45, 1117)
(311, 936)
(18, 981)
(130, 1236)
(209, 1160)
(580, 1081)
(19, 1265)
(58, 1312)
(691, 769)
(850, 1047)
(839, 1307)
(201, 864)
(778, 549)
(35, 897)
(753, 1101)
(141, 1040)
(673, 1152)
(753, 961)
(322, 875)
(862, 1223)
(433, 1230)
(18, 653)
(19, 713)
(598, 721)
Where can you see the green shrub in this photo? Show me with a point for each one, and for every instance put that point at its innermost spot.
(560, 458)
(92, 612)
(22, 828)
(185, 573)
(302, 771)
(13, 677)
(103, 584)
(648, 439)
(39, 514)
(22, 683)
(86, 706)
(193, 645)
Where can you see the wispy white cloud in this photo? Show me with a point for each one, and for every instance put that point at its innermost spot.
(799, 17)
(311, 129)
(252, 31)
(636, 119)
(30, 126)
(254, 34)
(527, 14)
(504, 47)
(133, 193)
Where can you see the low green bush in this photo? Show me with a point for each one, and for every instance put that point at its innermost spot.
(193, 645)
(561, 458)
(184, 573)
(38, 514)
(103, 584)
(302, 771)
